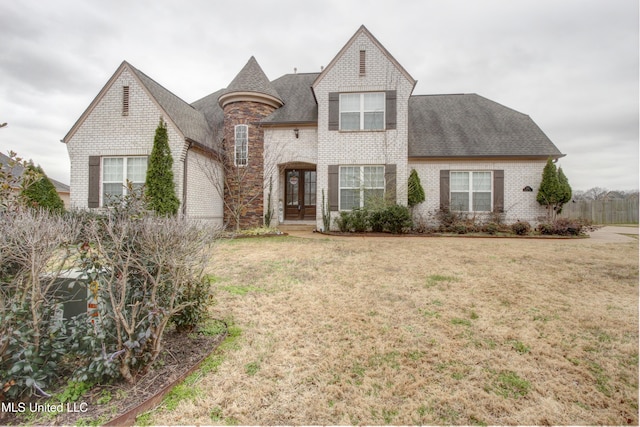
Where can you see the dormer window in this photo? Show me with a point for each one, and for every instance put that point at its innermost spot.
(362, 111)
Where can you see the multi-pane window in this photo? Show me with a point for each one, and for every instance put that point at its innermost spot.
(241, 156)
(360, 185)
(116, 171)
(362, 111)
(471, 191)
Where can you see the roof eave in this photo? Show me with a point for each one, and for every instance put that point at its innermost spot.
(490, 157)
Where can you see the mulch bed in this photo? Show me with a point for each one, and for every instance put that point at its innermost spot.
(181, 352)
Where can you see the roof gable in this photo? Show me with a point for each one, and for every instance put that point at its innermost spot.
(364, 31)
(187, 120)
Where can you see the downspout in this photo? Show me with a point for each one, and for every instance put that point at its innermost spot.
(185, 180)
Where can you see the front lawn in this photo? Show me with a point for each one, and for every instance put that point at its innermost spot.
(421, 331)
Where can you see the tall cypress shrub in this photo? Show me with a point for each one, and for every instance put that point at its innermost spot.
(159, 186)
(549, 188)
(565, 190)
(416, 192)
(42, 193)
(554, 190)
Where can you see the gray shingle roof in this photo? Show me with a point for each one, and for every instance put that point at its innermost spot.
(299, 103)
(469, 125)
(212, 112)
(18, 170)
(465, 125)
(252, 79)
(189, 121)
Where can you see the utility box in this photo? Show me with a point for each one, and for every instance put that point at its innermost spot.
(72, 290)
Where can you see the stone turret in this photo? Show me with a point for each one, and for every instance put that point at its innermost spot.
(248, 99)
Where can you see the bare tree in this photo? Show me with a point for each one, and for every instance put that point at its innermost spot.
(240, 187)
(596, 193)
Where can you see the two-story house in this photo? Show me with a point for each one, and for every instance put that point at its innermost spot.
(351, 133)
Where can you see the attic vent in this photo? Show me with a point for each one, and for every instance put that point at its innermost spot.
(362, 62)
(125, 100)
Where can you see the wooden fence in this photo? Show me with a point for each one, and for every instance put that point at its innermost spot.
(603, 211)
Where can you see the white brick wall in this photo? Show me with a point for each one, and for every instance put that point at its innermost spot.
(518, 205)
(204, 199)
(366, 147)
(283, 148)
(106, 132)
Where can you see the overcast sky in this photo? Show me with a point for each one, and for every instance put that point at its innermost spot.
(572, 65)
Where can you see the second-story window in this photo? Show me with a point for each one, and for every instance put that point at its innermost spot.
(362, 111)
(241, 155)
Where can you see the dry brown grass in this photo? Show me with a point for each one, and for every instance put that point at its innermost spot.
(422, 331)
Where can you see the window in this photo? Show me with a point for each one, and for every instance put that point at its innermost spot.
(116, 171)
(241, 145)
(362, 111)
(471, 191)
(360, 185)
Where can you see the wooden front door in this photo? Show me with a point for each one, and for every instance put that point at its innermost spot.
(300, 194)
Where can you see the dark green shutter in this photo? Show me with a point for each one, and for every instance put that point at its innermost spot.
(390, 113)
(498, 191)
(334, 111)
(94, 182)
(333, 187)
(390, 183)
(444, 190)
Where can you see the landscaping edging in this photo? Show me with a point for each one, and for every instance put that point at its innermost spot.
(468, 236)
(129, 417)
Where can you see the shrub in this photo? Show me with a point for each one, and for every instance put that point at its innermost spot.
(197, 296)
(521, 228)
(415, 192)
(144, 272)
(377, 220)
(159, 184)
(457, 222)
(545, 228)
(447, 220)
(343, 221)
(42, 193)
(359, 220)
(564, 227)
(397, 219)
(33, 252)
(491, 228)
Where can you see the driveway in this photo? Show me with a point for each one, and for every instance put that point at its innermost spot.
(614, 234)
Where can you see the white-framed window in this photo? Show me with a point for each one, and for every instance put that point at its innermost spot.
(362, 111)
(241, 152)
(471, 191)
(359, 185)
(116, 171)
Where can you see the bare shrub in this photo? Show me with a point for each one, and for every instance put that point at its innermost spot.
(143, 270)
(34, 249)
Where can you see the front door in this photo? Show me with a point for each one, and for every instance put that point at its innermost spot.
(300, 194)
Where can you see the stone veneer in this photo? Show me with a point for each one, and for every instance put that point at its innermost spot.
(246, 183)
